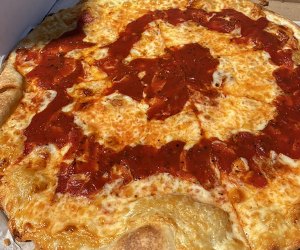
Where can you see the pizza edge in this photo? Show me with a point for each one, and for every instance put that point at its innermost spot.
(12, 83)
(11, 89)
(281, 20)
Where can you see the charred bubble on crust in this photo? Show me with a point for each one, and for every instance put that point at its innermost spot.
(166, 85)
(146, 237)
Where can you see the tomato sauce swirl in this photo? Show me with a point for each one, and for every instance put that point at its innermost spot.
(166, 85)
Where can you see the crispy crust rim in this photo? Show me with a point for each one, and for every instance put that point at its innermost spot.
(11, 89)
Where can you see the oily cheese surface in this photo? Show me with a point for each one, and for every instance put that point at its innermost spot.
(159, 211)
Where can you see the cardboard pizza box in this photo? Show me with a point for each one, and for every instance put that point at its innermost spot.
(287, 8)
(18, 17)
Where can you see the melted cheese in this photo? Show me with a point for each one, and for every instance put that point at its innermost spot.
(118, 121)
(250, 75)
(107, 216)
(270, 216)
(124, 121)
(234, 114)
(151, 44)
(243, 6)
(183, 213)
(189, 32)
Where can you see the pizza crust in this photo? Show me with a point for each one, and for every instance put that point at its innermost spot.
(174, 208)
(278, 19)
(175, 222)
(11, 81)
(11, 89)
(149, 237)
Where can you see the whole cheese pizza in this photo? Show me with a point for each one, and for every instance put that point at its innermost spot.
(142, 124)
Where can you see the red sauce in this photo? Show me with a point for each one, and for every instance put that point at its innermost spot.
(99, 162)
(86, 177)
(256, 178)
(55, 72)
(166, 84)
(168, 81)
(199, 163)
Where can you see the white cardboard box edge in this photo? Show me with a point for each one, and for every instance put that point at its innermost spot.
(17, 18)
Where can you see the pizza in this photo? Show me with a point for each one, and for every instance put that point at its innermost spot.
(166, 124)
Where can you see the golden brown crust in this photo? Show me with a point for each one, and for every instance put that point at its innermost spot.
(148, 237)
(280, 20)
(52, 27)
(11, 89)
